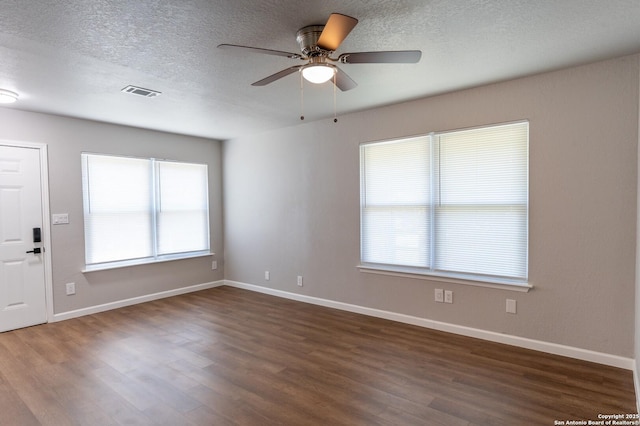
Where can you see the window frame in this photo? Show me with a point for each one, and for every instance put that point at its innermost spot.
(154, 188)
(430, 273)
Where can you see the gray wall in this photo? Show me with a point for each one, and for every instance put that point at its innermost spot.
(66, 139)
(291, 206)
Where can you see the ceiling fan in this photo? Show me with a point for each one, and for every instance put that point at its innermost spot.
(317, 43)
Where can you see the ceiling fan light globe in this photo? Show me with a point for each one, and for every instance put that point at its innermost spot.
(318, 74)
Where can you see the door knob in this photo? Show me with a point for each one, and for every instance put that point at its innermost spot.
(36, 250)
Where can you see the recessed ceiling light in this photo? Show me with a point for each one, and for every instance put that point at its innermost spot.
(7, 96)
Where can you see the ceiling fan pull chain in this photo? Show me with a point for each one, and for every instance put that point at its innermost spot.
(335, 88)
(301, 97)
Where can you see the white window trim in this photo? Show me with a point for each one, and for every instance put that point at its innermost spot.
(449, 277)
(146, 261)
(445, 276)
(155, 258)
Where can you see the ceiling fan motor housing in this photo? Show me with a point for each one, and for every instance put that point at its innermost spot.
(307, 39)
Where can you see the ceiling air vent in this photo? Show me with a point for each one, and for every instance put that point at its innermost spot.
(147, 93)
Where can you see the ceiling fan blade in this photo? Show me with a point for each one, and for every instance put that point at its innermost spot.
(277, 76)
(343, 81)
(260, 50)
(389, 57)
(336, 29)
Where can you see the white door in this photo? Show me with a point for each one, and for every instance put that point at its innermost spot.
(22, 271)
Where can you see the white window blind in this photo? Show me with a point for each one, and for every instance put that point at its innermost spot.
(396, 194)
(182, 207)
(142, 210)
(448, 203)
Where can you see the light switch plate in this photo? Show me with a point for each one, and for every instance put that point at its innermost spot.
(60, 218)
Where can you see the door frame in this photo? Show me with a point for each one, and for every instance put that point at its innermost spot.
(46, 224)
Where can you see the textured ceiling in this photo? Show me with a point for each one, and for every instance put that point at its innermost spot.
(73, 57)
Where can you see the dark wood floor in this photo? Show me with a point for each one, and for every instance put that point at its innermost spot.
(226, 356)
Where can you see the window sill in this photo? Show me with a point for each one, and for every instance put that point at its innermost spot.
(497, 283)
(146, 261)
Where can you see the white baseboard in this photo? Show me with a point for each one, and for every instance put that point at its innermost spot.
(133, 301)
(538, 345)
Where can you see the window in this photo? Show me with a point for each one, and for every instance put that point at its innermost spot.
(453, 204)
(143, 210)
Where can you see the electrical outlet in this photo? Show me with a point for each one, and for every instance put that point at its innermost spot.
(267, 275)
(214, 265)
(71, 288)
(300, 280)
(511, 306)
(439, 295)
(448, 296)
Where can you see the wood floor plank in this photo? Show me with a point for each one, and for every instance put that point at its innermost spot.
(12, 406)
(203, 415)
(40, 400)
(226, 356)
